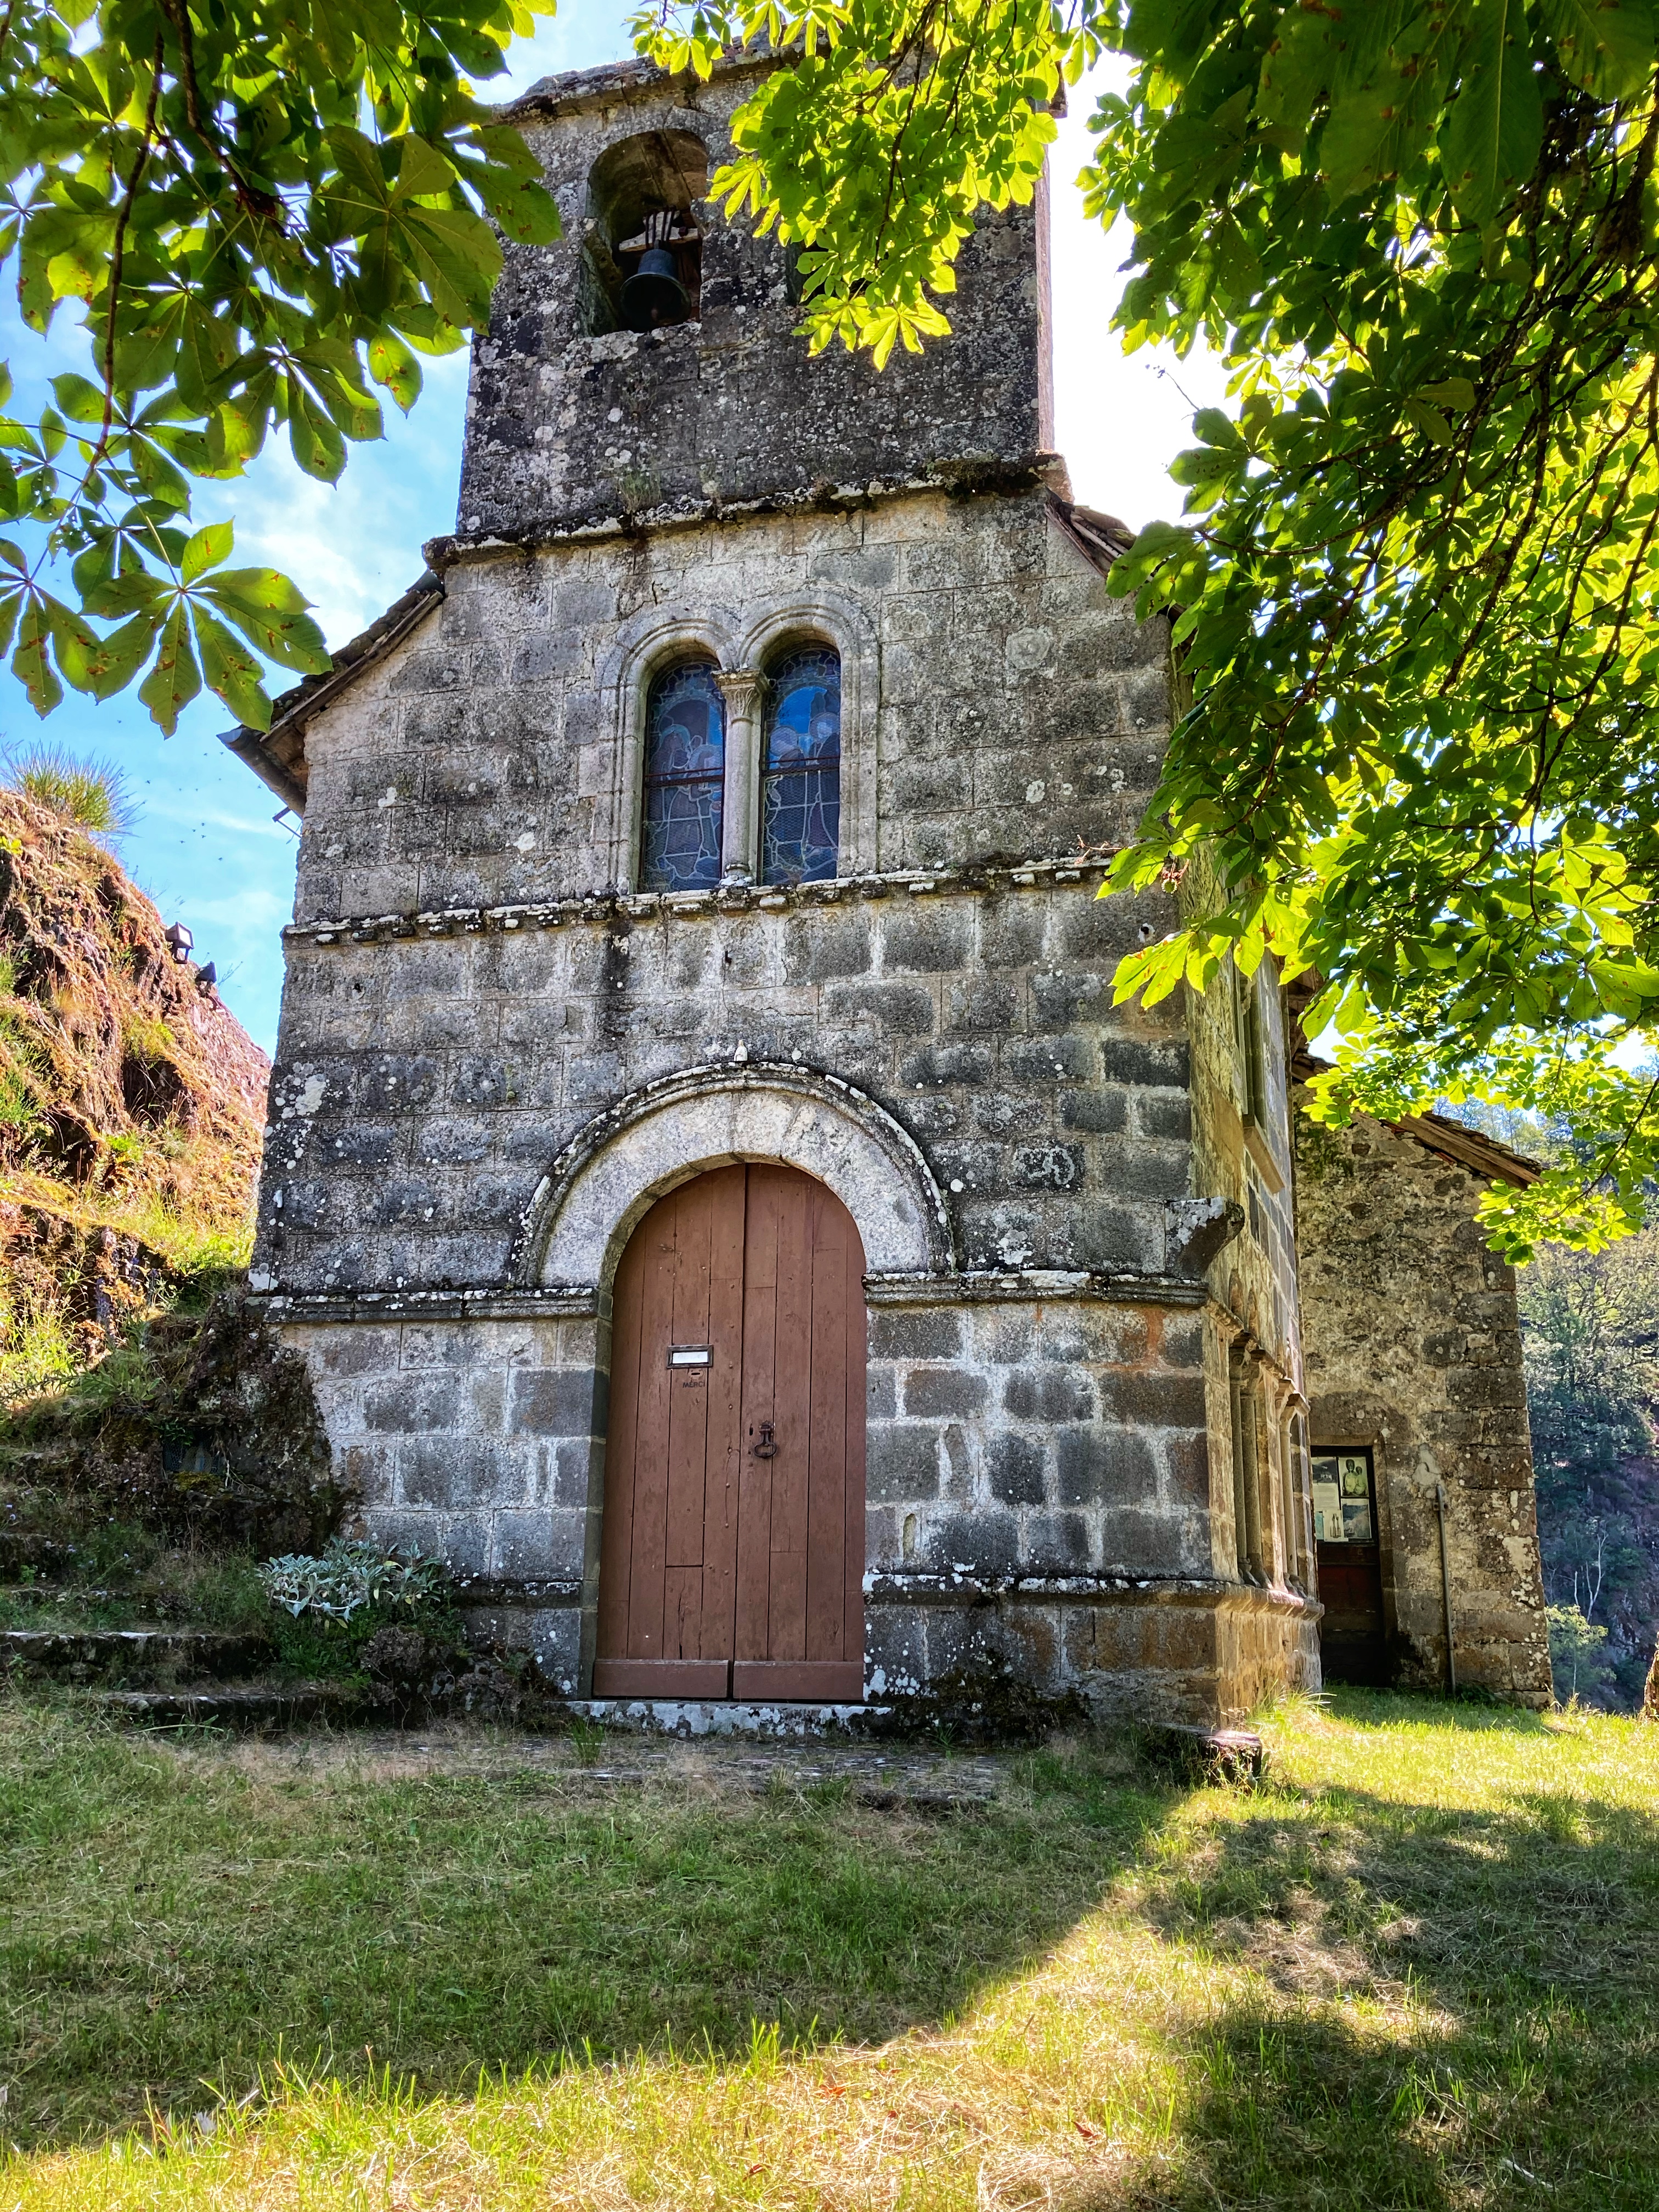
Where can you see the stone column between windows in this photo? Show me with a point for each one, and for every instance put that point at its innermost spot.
(745, 691)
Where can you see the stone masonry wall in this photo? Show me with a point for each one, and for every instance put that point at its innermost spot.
(1010, 706)
(427, 1071)
(425, 1085)
(1414, 1347)
(565, 429)
(1022, 1453)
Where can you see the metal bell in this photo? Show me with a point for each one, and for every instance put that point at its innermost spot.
(653, 294)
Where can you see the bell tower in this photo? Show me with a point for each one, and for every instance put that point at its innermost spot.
(646, 364)
(726, 1212)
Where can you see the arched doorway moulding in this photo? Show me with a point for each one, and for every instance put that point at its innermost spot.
(603, 1181)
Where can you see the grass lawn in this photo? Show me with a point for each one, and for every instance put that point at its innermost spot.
(1419, 1968)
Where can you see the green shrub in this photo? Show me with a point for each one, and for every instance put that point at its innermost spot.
(351, 1574)
(337, 1604)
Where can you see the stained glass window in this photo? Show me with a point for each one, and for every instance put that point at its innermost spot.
(685, 779)
(800, 774)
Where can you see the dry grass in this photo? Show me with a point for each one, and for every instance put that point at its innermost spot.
(1418, 1969)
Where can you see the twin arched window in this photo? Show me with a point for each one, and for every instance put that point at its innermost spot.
(686, 842)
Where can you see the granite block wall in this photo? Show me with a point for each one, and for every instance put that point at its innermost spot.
(1414, 1347)
(425, 1083)
(999, 703)
(566, 428)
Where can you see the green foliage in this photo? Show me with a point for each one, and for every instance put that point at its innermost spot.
(873, 152)
(38, 1348)
(93, 794)
(1591, 1334)
(261, 215)
(1416, 583)
(1574, 1643)
(1574, 1082)
(352, 1576)
(1419, 569)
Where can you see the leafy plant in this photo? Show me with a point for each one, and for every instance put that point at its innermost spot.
(1574, 1642)
(262, 216)
(93, 794)
(352, 1576)
(1416, 585)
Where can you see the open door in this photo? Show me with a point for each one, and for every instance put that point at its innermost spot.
(1352, 1636)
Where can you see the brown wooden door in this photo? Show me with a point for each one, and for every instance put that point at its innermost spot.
(1353, 1634)
(732, 1558)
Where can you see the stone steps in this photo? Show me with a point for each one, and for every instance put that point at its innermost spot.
(133, 1658)
(249, 1708)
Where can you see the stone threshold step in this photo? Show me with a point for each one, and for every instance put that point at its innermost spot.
(1207, 1754)
(781, 1718)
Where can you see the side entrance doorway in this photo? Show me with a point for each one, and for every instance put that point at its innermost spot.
(731, 1558)
(1352, 1636)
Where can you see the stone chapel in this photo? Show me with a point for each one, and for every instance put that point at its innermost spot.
(723, 1212)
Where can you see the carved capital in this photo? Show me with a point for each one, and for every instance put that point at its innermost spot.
(745, 691)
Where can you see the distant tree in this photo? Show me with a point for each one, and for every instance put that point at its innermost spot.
(1590, 1327)
(1590, 1333)
(1574, 1643)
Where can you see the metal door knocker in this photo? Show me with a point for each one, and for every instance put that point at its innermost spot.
(767, 1448)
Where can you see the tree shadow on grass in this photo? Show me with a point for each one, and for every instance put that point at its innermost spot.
(1445, 2007)
(1408, 2005)
(174, 1921)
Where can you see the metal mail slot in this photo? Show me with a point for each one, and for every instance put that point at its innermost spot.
(690, 1355)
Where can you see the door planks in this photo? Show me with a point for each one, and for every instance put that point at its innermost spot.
(732, 1555)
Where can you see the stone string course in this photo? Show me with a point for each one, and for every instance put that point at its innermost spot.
(599, 908)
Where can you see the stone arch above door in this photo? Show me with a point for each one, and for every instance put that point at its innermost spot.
(603, 1181)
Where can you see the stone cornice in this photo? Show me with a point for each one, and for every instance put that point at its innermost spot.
(474, 1302)
(973, 1286)
(603, 909)
(1012, 475)
(581, 1301)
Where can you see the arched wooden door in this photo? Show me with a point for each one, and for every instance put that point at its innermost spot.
(732, 1562)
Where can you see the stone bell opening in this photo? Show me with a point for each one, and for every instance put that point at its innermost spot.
(641, 240)
(732, 1555)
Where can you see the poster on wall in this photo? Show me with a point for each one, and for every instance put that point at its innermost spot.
(1327, 1510)
(1356, 1500)
(1342, 1499)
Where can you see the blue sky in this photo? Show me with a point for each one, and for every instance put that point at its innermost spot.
(204, 845)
